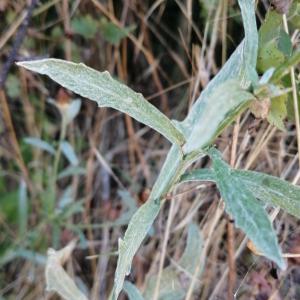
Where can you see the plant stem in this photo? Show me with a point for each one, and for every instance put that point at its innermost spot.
(62, 135)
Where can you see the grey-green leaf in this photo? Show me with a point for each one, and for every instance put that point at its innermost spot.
(248, 213)
(106, 91)
(199, 175)
(132, 291)
(193, 251)
(240, 67)
(221, 104)
(272, 190)
(38, 143)
(267, 188)
(69, 153)
(171, 286)
(137, 229)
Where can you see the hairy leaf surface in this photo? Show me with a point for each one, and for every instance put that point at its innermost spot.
(248, 213)
(106, 91)
(241, 68)
(224, 100)
(136, 231)
(267, 188)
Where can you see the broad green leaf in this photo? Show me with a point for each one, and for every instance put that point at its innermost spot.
(132, 291)
(68, 151)
(106, 91)
(272, 190)
(241, 68)
(285, 67)
(113, 33)
(269, 57)
(56, 277)
(274, 43)
(278, 112)
(136, 231)
(38, 143)
(248, 213)
(294, 15)
(270, 27)
(266, 188)
(85, 26)
(225, 99)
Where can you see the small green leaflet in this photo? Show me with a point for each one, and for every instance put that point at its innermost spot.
(278, 111)
(38, 143)
(86, 26)
(112, 33)
(248, 213)
(267, 188)
(106, 91)
(274, 43)
(285, 67)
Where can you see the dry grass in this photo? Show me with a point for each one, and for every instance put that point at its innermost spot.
(170, 56)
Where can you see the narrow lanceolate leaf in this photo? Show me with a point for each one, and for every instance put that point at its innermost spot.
(267, 188)
(240, 67)
(69, 153)
(248, 213)
(38, 143)
(137, 229)
(106, 91)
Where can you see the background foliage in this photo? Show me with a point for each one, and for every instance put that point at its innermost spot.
(75, 171)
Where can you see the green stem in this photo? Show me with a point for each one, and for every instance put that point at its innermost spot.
(55, 233)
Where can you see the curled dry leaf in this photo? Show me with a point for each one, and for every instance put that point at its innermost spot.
(57, 279)
(261, 108)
